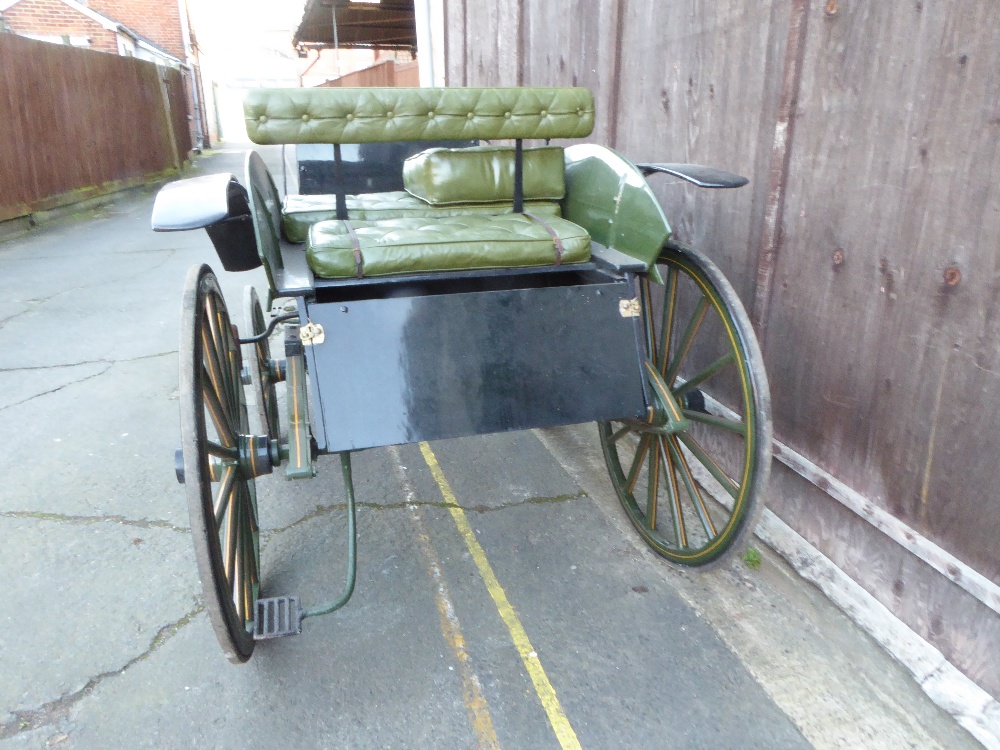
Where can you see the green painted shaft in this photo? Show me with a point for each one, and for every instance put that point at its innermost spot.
(352, 547)
(299, 446)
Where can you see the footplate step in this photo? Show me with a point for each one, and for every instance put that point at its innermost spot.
(277, 617)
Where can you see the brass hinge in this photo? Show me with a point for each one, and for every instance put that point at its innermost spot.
(312, 334)
(629, 308)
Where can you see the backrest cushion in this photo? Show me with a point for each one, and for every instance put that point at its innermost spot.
(483, 174)
(379, 115)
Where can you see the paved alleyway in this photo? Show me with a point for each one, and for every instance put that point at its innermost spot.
(104, 642)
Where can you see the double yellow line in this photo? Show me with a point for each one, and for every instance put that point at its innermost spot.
(546, 693)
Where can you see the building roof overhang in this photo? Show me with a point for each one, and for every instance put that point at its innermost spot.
(388, 24)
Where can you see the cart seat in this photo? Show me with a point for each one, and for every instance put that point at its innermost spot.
(338, 249)
(299, 212)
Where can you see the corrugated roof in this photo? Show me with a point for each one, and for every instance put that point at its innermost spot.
(386, 25)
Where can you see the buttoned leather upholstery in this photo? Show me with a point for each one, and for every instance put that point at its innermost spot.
(443, 244)
(345, 115)
(444, 176)
(300, 212)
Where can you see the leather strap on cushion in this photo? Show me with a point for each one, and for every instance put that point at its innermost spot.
(358, 260)
(379, 115)
(443, 244)
(552, 233)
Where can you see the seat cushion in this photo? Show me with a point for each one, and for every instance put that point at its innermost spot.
(446, 176)
(449, 243)
(300, 212)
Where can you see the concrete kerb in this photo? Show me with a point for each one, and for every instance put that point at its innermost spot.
(971, 706)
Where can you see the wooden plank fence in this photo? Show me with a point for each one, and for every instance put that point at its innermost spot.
(77, 123)
(387, 73)
(866, 247)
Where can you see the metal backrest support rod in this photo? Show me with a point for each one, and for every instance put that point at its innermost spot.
(338, 179)
(518, 177)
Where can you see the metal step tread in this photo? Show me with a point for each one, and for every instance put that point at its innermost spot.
(277, 617)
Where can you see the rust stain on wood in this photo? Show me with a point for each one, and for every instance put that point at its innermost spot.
(770, 244)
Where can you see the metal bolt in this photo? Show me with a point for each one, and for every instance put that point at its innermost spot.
(343, 308)
(838, 256)
(831, 7)
(952, 275)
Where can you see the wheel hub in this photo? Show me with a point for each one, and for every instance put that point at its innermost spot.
(666, 414)
(255, 455)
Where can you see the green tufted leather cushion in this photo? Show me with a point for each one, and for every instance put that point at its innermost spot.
(302, 211)
(374, 115)
(445, 244)
(444, 176)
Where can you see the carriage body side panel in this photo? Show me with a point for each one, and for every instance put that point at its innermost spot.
(399, 368)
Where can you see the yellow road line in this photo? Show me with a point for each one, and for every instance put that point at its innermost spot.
(546, 693)
(472, 690)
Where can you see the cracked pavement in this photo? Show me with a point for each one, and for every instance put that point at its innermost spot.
(104, 641)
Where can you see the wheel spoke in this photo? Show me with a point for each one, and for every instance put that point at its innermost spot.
(640, 455)
(239, 571)
(216, 375)
(713, 369)
(224, 347)
(237, 378)
(229, 547)
(251, 537)
(647, 317)
(667, 321)
(693, 492)
(216, 343)
(685, 344)
(653, 486)
(674, 496)
(215, 410)
(619, 434)
(710, 465)
(224, 497)
(246, 564)
(732, 425)
(660, 389)
(234, 377)
(221, 451)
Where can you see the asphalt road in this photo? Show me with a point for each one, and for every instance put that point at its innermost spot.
(502, 598)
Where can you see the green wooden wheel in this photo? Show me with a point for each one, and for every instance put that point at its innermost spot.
(218, 455)
(692, 474)
(263, 374)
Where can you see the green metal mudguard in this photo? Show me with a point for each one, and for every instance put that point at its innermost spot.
(608, 196)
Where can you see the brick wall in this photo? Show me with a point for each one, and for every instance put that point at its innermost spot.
(157, 20)
(55, 18)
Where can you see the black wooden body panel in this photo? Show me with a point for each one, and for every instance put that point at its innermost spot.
(404, 369)
(365, 168)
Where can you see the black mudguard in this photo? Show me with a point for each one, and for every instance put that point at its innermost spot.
(218, 204)
(706, 177)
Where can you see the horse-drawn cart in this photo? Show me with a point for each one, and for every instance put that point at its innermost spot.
(506, 288)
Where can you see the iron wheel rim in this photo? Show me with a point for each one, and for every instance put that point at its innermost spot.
(691, 481)
(224, 521)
